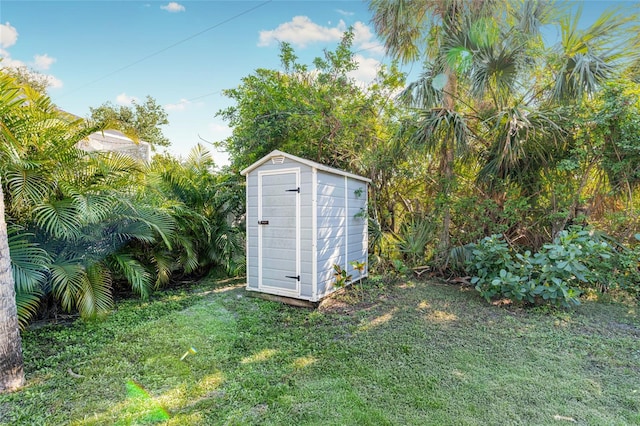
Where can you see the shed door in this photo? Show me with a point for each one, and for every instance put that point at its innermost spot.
(278, 231)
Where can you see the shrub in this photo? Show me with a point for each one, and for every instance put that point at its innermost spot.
(556, 274)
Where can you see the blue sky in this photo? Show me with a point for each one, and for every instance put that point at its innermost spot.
(181, 53)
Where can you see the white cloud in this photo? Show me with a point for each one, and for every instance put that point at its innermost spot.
(344, 12)
(8, 35)
(53, 82)
(125, 100)
(367, 69)
(219, 131)
(173, 7)
(180, 106)
(301, 31)
(43, 62)
(9, 62)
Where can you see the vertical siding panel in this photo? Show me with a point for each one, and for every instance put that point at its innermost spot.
(327, 229)
(314, 234)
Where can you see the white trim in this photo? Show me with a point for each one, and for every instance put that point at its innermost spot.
(346, 224)
(261, 173)
(248, 228)
(280, 292)
(314, 233)
(366, 229)
(309, 163)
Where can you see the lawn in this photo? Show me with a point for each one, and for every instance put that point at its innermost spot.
(403, 353)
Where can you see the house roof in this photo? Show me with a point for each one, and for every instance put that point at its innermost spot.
(113, 140)
(309, 163)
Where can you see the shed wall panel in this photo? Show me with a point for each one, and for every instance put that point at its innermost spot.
(333, 226)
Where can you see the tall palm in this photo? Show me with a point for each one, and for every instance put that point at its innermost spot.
(11, 365)
(439, 30)
(490, 79)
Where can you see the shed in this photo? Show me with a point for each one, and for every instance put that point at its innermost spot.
(302, 219)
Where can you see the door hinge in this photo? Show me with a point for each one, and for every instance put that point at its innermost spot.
(263, 222)
(296, 277)
(293, 190)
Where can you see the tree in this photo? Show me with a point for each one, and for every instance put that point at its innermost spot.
(320, 114)
(30, 77)
(441, 127)
(11, 366)
(142, 121)
(492, 86)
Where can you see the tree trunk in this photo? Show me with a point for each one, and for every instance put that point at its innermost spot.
(446, 167)
(11, 370)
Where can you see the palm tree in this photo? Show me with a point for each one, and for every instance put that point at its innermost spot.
(441, 31)
(11, 367)
(76, 217)
(489, 81)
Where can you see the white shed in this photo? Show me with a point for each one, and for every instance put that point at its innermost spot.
(302, 219)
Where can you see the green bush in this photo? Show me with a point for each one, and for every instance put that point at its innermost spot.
(557, 274)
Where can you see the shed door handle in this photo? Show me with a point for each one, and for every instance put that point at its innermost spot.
(263, 222)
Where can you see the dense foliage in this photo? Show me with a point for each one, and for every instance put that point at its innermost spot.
(576, 261)
(140, 120)
(83, 225)
(501, 134)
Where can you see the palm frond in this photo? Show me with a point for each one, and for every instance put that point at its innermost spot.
(133, 271)
(94, 208)
(424, 92)
(164, 265)
(400, 24)
(439, 126)
(26, 185)
(95, 297)
(155, 218)
(27, 304)
(188, 256)
(68, 277)
(59, 218)
(590, 57)
(29, 262)
(521, 138)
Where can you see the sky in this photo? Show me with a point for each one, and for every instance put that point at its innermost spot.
(181, 53)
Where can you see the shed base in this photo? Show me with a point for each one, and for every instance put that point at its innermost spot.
(283, 299)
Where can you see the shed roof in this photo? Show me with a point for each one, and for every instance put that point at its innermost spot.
(309, 163)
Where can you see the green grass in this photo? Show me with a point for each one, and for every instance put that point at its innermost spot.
(413, 353)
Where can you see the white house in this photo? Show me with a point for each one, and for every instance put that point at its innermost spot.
(114, 141)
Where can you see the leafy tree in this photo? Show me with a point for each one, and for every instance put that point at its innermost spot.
(140, 121)
(29, 77)
(492, 94)
(320, 113)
